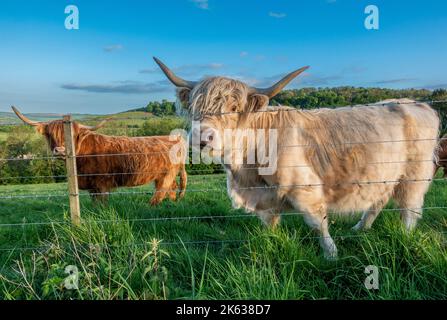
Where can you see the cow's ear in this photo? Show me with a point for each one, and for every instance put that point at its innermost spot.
(257, 102)
(183, 96)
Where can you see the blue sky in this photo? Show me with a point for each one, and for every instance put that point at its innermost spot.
(106, 65)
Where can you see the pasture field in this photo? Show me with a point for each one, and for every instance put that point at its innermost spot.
(127, 250)
(11, 118)
(3, 136)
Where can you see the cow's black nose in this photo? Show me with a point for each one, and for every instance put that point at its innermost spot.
(202, 144)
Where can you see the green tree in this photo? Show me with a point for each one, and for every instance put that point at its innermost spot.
(438, 97)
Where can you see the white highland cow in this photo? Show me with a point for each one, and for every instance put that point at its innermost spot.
(340, 160)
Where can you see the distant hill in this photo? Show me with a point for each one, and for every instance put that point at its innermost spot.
(10, 118)
(7, 117)
(124, 123)
(306, 98)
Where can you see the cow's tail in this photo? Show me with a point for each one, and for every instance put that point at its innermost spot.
(183, 181)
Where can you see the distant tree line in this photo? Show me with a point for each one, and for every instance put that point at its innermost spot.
(309, 98)
(22, 143)
(159, 109)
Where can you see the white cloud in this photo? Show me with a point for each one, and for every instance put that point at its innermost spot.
(278, 15)
(395, 81)
(214, 65)
(113, 47)
(202, 4)
(126, 87)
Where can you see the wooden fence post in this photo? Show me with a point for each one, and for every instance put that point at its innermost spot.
(72, 174)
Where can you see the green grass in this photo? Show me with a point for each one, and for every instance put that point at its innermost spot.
(3, 136)
(120, 256)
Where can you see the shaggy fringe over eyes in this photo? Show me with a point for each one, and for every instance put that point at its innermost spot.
(55, 130)
(217, 95)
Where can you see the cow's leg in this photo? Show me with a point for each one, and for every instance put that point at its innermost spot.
(275, 220)
(268, 208)
(99, 196)
(318, 221)
(315, 216)
(269, 218)
(411, 201)
(412, 213)
(410, 198)
(173, 191)
(369, 216)
(162, 188)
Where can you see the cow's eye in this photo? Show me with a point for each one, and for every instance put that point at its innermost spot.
(234, 109)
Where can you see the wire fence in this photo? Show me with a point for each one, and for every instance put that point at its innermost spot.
(280, 146)
(195, 217)
(216, 170)
(94, 246)
(222, 188)
(206, 190)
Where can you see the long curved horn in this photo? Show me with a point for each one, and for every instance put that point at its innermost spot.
(96, 127)
(177, 81)
(275, 89)
(23, 118)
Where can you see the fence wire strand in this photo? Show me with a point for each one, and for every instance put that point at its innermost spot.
(263, 187)
(196, 217)
(315, 146)
(94, 246)
(214, 170)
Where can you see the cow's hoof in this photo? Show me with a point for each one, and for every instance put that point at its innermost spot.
(331, 256)
(358, 227)
(330, 251)
(154, 203)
